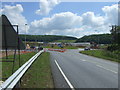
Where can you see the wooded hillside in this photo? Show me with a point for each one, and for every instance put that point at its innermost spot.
(100, 38)
(45, 38)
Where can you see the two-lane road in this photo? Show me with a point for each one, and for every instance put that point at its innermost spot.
(83, 71)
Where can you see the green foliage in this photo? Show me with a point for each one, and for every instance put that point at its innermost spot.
(113, 47)
(65, 41)
(115, 32)
(101, 38)
(45, 38)
(103, 54)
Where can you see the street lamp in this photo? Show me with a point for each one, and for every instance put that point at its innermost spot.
(98, 36)
(25, 33)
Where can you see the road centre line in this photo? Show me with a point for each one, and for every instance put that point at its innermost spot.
(97, 64)
(68, 82)
(106, 69)
(83, 60)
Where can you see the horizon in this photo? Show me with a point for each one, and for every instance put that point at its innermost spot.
(68, 36)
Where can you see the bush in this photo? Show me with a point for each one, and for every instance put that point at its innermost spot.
(113, 47)
(112, 54)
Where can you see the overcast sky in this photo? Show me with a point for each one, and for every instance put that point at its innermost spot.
(52, 17)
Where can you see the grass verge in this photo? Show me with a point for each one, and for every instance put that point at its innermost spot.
(66, 47)
(39, 74)
(7, 66)
(102, 54)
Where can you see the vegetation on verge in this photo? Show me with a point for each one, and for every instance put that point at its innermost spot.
(65, 47)
(112, 51)
(103, 54)
(39, 74)
(7, 66)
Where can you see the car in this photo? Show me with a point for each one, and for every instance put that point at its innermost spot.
(87, 48)
(40, 48)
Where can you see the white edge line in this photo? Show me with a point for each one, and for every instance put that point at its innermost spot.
(106, 69)
(70, 85)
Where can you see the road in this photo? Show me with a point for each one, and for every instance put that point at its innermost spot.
(83, 71)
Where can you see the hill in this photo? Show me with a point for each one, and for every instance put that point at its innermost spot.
(45, 38)
(98, 38)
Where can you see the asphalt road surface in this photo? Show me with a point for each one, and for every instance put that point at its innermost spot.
(82, 71)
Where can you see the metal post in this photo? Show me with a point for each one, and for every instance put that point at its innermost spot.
(5, 41)
(25, 34)
(18, 45)
(98, 36)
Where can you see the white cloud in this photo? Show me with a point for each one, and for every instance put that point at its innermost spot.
(90, 19)
(14, 14)
(111, 14)
(58, 22)
(46, 6)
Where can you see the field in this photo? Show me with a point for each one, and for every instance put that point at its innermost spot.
(102, 54)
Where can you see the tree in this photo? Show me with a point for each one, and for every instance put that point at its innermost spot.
(115, 31)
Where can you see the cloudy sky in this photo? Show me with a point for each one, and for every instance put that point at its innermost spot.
(53, 17)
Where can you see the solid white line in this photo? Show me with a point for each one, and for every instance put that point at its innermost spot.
(70, 85)
(107, 69)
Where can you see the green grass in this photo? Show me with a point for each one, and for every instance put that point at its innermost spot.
(65, 41)
(102, 54)
(66, 47)
(39, 74)
(7, 66)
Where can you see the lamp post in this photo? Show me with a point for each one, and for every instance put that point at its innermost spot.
(98, 36)
(25, 34)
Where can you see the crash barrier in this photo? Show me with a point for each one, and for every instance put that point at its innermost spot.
(13, 80)
(58, 50)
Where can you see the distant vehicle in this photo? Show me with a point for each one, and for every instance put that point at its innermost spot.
(40, 48)
(87, 48)
(32, 47)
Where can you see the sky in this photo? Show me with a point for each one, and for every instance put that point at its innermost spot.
(52, 17)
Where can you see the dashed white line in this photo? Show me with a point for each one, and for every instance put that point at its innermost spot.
(107, 69)
(83, 60)
(70, 85)
(97, 64)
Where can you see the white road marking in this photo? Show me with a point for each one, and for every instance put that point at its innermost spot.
(97, 64)
(83, 60)
(107, 69)
(70, 85)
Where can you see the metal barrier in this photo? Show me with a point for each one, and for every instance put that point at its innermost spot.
(11, 82)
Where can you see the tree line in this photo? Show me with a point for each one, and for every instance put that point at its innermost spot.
(97, 38)
(100, 38)
(44, 38)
